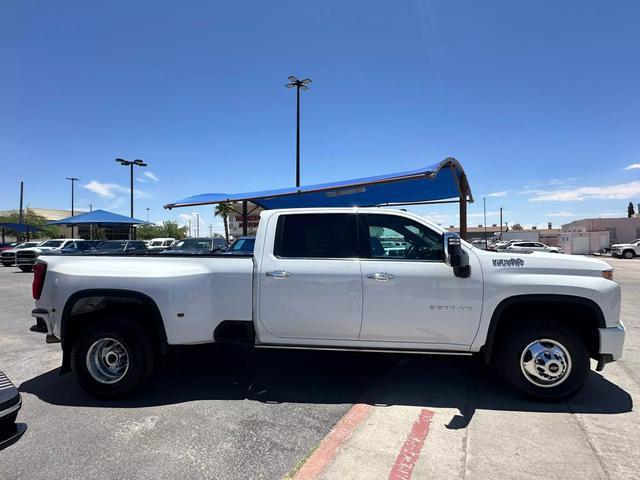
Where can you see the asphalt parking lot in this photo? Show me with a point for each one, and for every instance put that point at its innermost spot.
(241, 414)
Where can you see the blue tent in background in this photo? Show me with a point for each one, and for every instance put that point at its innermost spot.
(99, 218)
(19, 227)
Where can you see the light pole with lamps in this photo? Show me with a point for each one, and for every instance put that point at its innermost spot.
(299, 85)
(130, 164)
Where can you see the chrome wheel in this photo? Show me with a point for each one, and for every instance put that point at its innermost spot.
(107, 360)
(545, 363)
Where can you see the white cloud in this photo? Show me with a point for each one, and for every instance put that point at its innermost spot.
(150, 175)
(499, 194)
(110, 190)
(563, 213)
(141, 180)
(105, 190)
(578, 194)
(633, 166)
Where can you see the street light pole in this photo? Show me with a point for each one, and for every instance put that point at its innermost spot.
(73, 181)
(197, 215)
(130, 164)
(147, 214)
(299, 85)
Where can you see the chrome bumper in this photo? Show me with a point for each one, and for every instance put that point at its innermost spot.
(612, 341)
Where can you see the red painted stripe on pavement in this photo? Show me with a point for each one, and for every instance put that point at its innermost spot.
(326, 452)
(410, 451)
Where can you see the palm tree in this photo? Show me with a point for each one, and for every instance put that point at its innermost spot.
(223, 210)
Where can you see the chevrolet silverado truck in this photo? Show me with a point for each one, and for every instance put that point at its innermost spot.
(626, 250)
(321, 279)
(26, 257)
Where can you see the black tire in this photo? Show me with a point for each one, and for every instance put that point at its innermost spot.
(139, 350)
(26, 268)
(6, 264)
(628, 254)
(512, 351)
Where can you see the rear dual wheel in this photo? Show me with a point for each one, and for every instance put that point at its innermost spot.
(112, 357)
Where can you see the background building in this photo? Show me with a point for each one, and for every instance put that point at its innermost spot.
(592, 234)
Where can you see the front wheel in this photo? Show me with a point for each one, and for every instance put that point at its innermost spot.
(112, 357)
(26, 268)
(548, 362)
(628, 254)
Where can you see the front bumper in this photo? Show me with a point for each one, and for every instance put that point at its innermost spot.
(611, 342)
(10, 404)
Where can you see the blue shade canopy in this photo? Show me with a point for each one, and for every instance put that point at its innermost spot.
(440, 181)
(19, 227)
(98, 217)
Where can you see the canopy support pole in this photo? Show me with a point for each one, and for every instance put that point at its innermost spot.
(464, 189)
(244, 218)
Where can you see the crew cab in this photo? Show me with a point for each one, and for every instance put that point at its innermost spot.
(626, 250)
(26, 257)
(321, 279)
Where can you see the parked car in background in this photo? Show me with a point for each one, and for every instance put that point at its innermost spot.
(160, 243)
(481, 244)
(197, 245)
(8, 257)
(77, 246)
(26, 257)
(532, 247)
(626, 250)
(241, 246)
(10, 404)
(8, 246)
(117, 246)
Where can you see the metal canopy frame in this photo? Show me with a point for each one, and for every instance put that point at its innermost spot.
(464, 194)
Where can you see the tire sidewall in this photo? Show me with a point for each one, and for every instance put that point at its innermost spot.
(139, 352)
(580, 365)
(627, 254)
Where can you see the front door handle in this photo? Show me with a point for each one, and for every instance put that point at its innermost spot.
(278, 274)
(381, 276)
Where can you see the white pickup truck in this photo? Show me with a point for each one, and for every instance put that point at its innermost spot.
(321, 279)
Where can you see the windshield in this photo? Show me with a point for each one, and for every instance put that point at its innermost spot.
(243, 245)
(193, 244)
(52, 243)
(111, 246)
(155, 244)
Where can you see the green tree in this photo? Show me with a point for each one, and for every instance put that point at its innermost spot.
(168, 228)
(630, 210)
(224, 210)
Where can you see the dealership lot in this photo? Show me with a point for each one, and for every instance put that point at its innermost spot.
(241, 414)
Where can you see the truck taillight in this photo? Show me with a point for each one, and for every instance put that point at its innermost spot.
(39, 272)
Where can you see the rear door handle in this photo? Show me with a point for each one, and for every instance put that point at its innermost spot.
(278, 274)
(381, 276)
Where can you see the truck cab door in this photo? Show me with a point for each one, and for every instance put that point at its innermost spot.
(309, 279)
(410, 295)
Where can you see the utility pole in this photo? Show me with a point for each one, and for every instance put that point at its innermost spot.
(500, 223)
(189, 227)
(130, 164)
(21, 213)
(299, 85)
(73, 182)
(197, 225)
(484, 207)
(210, 231)
(147, 214)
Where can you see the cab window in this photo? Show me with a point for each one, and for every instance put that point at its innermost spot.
(394, 237)
(327, 235)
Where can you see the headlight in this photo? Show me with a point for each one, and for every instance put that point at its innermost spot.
(608, 274)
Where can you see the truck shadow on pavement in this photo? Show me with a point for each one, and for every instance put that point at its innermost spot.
(272, 376)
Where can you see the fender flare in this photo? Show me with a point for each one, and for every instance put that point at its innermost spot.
(156, 317)
(488, 346)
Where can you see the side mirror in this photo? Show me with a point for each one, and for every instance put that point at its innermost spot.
(455, 256)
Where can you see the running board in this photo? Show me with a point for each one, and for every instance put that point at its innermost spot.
(368, 350)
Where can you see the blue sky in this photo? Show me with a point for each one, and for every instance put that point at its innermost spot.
(538, 100)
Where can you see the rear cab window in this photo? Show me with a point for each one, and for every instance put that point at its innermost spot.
(317, 235)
